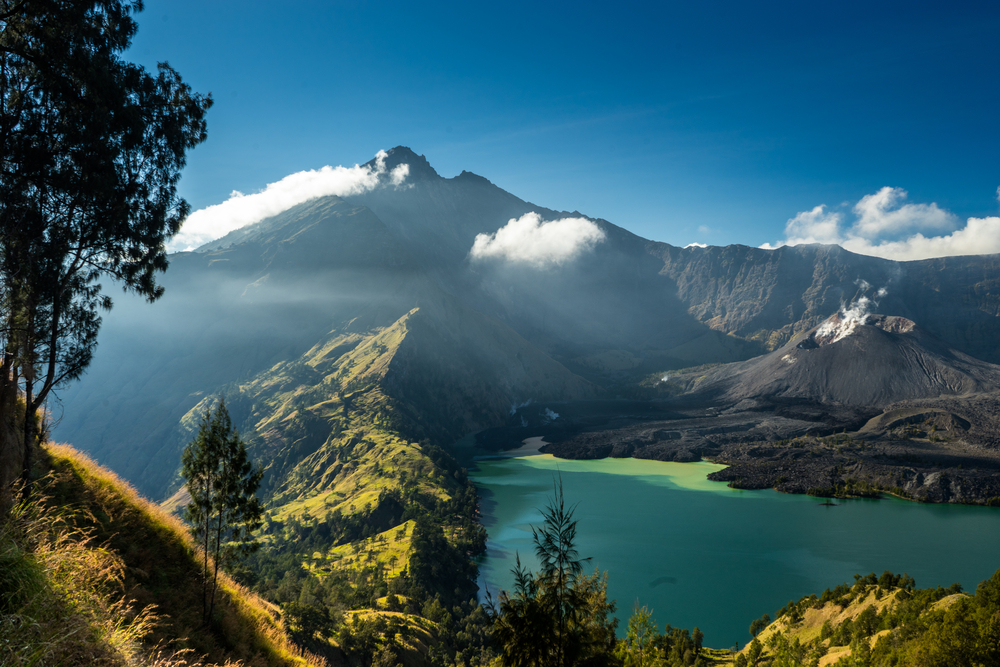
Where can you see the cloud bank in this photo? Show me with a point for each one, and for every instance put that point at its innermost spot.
(212, 222)
(885, 226)
(529, 240)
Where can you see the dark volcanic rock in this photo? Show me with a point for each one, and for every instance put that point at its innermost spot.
(869, 360)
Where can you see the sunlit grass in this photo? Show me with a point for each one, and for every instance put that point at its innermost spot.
(389, 550)
(93, 573)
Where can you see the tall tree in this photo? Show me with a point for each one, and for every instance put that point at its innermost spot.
(555, 547)
(91, 149)
(558, 617)
(224, 509)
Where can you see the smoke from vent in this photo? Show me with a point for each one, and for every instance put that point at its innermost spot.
(846, 320)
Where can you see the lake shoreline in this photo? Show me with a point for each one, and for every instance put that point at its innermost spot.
(679, 542)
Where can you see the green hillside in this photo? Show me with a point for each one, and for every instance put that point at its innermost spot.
(883, 621)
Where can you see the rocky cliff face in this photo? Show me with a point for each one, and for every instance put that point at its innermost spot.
(772, 295)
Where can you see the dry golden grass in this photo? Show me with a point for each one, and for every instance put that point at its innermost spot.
(124, 578)
(62, 594)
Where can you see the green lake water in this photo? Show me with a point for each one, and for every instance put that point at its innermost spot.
(701, 554)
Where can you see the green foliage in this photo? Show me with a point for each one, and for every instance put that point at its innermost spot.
(224, 510)
(92, 151)
(638, 649)
(759, 624)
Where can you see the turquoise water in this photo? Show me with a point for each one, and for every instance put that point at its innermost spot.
(701, 554)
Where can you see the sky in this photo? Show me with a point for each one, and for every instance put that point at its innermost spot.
(873, 125)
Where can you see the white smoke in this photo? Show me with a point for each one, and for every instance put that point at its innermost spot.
(240, 210)
(550, 415)
(844, 323)
(696, 245)
(886, 227)
(849, 316)
(529, 240)
(514, 407)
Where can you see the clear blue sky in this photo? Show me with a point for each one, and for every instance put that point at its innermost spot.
(660, 117)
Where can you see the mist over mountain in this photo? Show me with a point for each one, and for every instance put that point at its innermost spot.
(376, 308)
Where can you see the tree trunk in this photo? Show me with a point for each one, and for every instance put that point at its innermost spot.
(204, 586)
(9, 445)
(29, 435)
(218, 554)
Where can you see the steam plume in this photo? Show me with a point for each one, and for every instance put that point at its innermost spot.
(849, 316)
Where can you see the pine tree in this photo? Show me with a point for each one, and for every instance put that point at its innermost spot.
(224, 509)
(558, 617)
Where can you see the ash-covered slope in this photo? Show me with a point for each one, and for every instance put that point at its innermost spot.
(854, 358)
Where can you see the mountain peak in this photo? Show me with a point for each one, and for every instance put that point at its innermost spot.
(420, 168)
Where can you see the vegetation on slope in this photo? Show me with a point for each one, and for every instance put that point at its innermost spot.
(883, 621)
(94, 574)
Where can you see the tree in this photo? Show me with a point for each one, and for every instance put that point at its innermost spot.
(638, 649)
(91, 149)
(224, 509)
(759, 624)
(561, 565)
(558, 617)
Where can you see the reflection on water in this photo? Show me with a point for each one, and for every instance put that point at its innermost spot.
(701, 554)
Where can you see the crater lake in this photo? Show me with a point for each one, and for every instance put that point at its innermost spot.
(701, 554)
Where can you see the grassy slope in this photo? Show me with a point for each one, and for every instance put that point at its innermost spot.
(828, 630)
(161, 570)
(333, 442)
(333, 438)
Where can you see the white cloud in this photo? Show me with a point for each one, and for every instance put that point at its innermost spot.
(696, 245)
(886, 227)
(980, 236)
(399, 174)
(529, 240)
(815, 226)
(880, 215)
(212, 222)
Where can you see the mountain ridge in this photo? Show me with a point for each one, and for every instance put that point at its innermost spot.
(348, 269)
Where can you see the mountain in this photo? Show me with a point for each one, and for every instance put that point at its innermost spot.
(772, 295)
(321, 300)
(863, 360)
(641, 306)
(367, 320)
